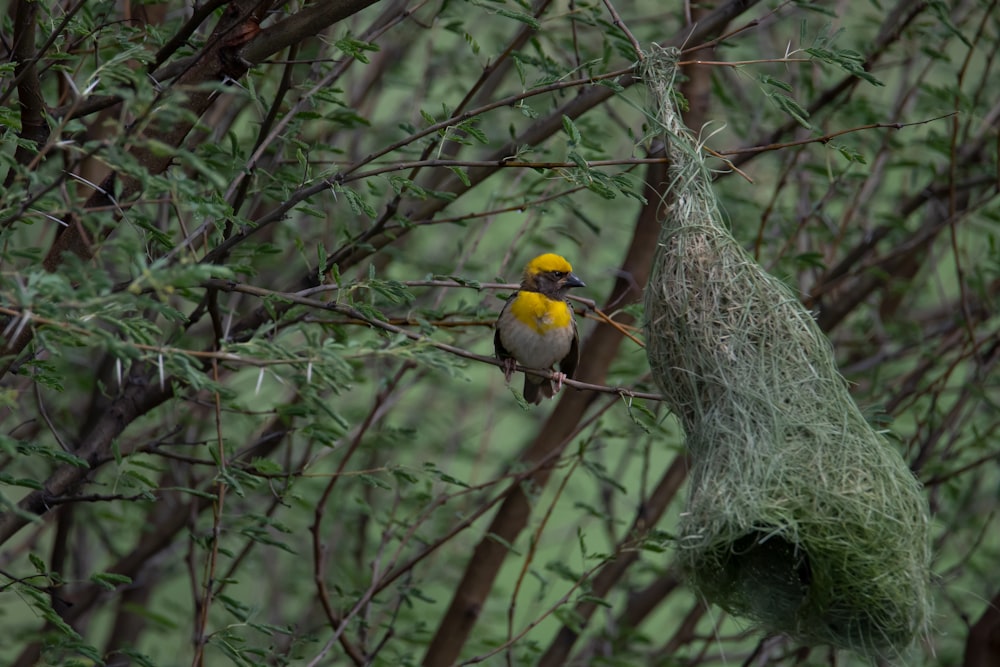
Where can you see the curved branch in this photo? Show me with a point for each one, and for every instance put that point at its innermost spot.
(138, 398)
(308, 22)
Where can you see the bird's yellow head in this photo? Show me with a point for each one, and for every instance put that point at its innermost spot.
(551, 275)
(547, 263)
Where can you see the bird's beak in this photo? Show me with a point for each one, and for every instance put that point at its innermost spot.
(572, 281)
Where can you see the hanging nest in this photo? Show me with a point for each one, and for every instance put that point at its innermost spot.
(800, 516)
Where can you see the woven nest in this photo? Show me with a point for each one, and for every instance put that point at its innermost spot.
(800, 516)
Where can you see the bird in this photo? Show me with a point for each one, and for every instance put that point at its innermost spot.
(536, 327)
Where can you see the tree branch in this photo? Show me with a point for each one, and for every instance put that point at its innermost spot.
(307, 22)
(982, 645)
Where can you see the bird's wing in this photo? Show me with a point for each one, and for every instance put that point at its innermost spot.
(572, 360)
(498, 348)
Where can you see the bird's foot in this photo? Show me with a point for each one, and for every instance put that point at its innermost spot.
(508, 365)
(558, 377)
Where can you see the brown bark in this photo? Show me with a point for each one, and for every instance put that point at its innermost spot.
(982, 646)
(29, 89)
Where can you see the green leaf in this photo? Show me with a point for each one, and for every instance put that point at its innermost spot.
(109, 580)
(942, 10)
(563, 570)
(793, 109)
(600, 472)
(405, 476)
(372, 480)
(811, 259)
(850, 61)
(571, 619)
(462, 176)
(132, 476)
(527, 19)
(394, 291)
(195, 492)
(501, 541)
(38, 563)
(262, 536)
(138, 658)
(403, 185)
(471, 41)
(66, 457)
(473, 131)
(771, 81)
(817, 7)
(599, 601)
(266, 466)
(163, 620)
(358, 204)
(850, 154)
(355, 48)
(459, 279)
(26, 482)
(571, 129)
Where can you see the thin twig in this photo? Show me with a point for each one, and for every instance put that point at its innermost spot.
(729, 163)
(740, 63)
(218, 506)
(833, 135)
(618, 23)
(505, 164)
(319, 550)
(732, 33)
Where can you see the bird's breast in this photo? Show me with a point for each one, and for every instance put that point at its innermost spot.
(536, 330)
(540, 312)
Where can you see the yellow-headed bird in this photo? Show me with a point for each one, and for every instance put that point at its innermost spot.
(536, 327)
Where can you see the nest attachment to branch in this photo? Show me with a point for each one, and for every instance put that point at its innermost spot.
(800, 516)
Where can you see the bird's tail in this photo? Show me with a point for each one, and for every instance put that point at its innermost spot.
(535, 389)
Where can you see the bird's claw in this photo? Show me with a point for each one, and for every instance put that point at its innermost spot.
(558, 377)
(508, 365)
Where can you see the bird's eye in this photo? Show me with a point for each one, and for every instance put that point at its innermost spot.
(558, 274)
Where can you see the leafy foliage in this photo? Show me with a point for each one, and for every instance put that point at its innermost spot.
(249, 261)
